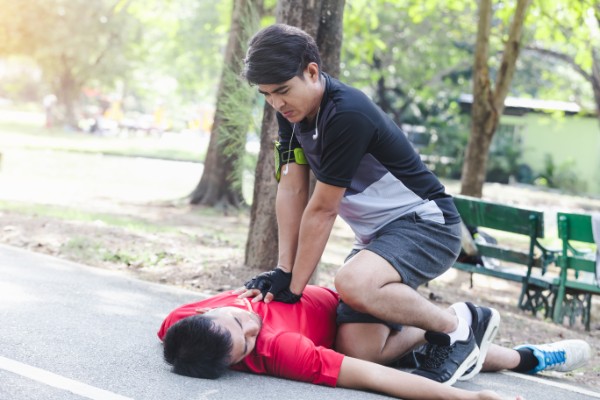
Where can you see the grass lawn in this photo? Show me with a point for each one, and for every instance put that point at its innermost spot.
(25, 130)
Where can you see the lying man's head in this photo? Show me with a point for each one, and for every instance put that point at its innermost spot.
(204, 345)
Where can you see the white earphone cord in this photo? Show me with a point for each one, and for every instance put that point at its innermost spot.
(314, 137)
(287, 163)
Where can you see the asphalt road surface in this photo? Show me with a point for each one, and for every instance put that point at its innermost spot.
(75, 332)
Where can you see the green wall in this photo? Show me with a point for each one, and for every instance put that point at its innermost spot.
(565, 138)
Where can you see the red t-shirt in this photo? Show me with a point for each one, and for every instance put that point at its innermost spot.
(295, 340)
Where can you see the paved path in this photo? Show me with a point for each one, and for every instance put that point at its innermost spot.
(76, 332)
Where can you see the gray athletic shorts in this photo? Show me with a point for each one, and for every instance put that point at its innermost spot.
(420, 250)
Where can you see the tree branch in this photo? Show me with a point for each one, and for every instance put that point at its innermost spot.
(562, 57)
(510, 55)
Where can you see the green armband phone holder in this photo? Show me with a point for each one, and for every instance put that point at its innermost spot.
(283, 157)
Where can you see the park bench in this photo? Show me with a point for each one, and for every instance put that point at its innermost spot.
(578, 269)
(527, 266)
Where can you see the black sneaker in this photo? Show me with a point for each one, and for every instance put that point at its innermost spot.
(447, 362)
(410, 360)
(485, 326)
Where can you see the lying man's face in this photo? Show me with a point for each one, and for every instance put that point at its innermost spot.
(243, 326)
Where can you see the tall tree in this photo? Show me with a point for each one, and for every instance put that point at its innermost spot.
(74, 43)
(323, 20)
(221, 181)
(488, 102)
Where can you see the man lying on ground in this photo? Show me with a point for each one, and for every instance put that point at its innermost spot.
(295, 341)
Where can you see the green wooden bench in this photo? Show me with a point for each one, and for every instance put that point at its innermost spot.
(528, 266)
(578, 270)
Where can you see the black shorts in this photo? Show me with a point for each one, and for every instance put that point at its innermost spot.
(420, 250)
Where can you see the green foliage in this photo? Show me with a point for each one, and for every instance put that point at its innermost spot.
(235, 103)
(86, 38)
(445, 153)
(505, 155)
(560, 176)
(74, 43)
(568, 30)
(183, 40)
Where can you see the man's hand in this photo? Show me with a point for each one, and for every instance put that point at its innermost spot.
(286, 296)
(270, 285)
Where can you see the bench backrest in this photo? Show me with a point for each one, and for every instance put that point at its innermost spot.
(575, 227)
(481, 213)
(574, 295)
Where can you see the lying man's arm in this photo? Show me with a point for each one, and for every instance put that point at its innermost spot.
(365, 375)
(293, 356)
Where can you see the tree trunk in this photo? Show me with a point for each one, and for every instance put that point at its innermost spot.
(261, 245)
(311, 16)
(488, 104)
(595, 76)
(221, 182)
(595, 79)
(329, 38)
(67, 96)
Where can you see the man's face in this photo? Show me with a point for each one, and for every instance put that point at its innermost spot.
(243, 326)
(297, 98)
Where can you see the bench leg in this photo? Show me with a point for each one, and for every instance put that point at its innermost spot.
(535, 298)
(574, 305)
(586, 317)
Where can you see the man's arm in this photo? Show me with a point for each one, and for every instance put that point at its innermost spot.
(294, 356)
(306, 244)
(292, 196)
(365, 375)
(317, 221)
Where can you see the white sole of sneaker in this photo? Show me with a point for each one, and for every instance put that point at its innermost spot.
(488, 337)
(470, 361)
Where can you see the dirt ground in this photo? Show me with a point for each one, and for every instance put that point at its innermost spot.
(201, 249)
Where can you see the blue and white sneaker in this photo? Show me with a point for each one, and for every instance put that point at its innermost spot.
(562, 356)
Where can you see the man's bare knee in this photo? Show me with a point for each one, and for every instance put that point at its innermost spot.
(353, 290)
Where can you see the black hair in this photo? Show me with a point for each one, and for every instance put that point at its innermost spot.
(196, 346)
(278, 53)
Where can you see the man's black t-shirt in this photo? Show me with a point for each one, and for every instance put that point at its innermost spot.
(357, 146)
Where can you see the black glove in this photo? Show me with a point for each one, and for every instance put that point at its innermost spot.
(259, 282)
(286, 296)
(277, 282)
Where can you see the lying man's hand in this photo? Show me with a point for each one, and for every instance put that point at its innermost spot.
(270, 285)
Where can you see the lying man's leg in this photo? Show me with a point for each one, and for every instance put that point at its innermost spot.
(377, 342)
(562, 356)
(365, 337)
(380, 343)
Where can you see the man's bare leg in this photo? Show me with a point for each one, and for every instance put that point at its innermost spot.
(369, 284)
